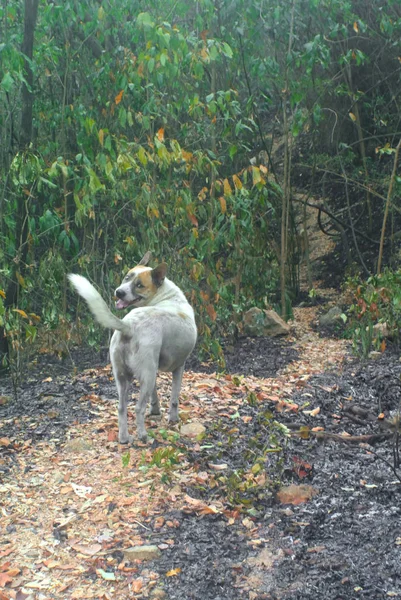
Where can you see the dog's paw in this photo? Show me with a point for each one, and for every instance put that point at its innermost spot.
(173, 419)
(128, 439)
(154, 415)
(143, 437)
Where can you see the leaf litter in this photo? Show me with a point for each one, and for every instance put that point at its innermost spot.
(256, 506)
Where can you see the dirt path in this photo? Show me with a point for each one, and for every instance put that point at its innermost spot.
(74, 502)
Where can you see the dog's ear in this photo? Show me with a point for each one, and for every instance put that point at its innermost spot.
(146, 258)
(159, 273)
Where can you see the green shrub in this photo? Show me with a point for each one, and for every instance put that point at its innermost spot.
(376, 300)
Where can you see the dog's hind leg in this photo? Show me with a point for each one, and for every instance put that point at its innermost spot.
(175, 392)
(148, 385)
(154, 404)
(122, 385)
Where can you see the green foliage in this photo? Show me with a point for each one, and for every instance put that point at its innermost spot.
(376, 301)
(144, 122)
(164, 458)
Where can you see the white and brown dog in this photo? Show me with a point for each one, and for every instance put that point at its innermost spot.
(159, 334)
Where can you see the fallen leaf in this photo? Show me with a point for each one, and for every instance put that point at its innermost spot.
(5, 442)
(137, 585)
(106, 575)
(4, 579)
(221, 467)
(296, 494)
(87, 549)
(173, 572)
(81, 490)
(112, 435)
(312, 413)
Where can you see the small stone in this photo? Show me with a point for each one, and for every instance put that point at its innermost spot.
(332, 317)
(159, 594)
(77, 445)
(382, 330)
(374, 355)
(185, 415)
(142, 553)
(193, 430)
(257, 322)
(57, 477)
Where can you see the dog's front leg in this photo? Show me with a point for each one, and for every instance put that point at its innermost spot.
(175, 392)
(123, 388)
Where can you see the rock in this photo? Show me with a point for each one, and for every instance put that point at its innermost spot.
(382, 330)
(374, 355)
(193, 430)
(185, 415)
(332, 317)
(257, 322)
(77, 445)
(142, 553)
(158, 593)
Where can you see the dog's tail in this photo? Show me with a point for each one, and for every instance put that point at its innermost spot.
(97, 305)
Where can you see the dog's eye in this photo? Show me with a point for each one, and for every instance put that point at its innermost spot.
(139, 285)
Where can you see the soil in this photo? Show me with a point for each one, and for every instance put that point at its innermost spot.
(241, 540)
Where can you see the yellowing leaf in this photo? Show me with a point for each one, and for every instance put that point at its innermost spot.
(355, 27)
(101, 136)
(237, 182)
(119, 97)
(227, 188)
(2, 293)
(211, 312)
(223, 204)
(142, 156)
(160, 134)
(21, 312)
(173, 572)
(192, 218)
(256, 176)
(352, 117)
(21, 280)
(187, 156)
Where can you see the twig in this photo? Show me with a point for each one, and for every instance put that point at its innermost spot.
(349, 439)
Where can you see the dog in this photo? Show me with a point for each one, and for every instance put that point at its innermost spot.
(158, 334)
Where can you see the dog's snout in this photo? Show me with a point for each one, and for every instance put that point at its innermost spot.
(120, 293)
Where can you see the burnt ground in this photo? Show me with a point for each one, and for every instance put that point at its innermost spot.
(343, 543)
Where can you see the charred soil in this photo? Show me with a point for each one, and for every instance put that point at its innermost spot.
(291, 492)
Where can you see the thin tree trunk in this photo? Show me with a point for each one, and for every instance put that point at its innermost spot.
(31, 12)
(386, 209)
(287, 177)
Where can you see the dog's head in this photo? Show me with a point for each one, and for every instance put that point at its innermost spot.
(140, 285)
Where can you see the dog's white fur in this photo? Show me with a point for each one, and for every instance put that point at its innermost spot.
(158, 335)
